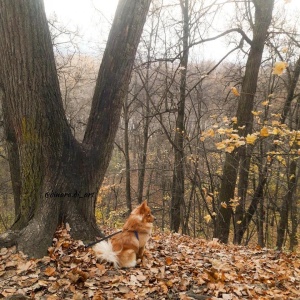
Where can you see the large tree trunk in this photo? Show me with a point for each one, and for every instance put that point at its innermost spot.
(45, 158)
(263, 16)
(177, 199)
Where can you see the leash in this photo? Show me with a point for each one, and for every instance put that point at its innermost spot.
(103, 239)
(109, 236)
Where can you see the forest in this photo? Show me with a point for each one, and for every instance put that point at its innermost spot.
(181, 143)
(195, 108)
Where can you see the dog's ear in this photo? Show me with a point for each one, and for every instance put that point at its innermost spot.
(142, 208)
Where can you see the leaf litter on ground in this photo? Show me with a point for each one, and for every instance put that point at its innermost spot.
(174, 267)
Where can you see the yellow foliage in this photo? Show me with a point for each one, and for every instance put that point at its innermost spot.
(221, 130)
(207, 218)
(281, 160)
(251, 138)
(256, 113)
(234, 120)
(279, 68)
(229, 148)
(220, 145)
(223, 204)
(275, 123)
(265, 103)
(264, 132)
(240, 143)
(235, 91)
(211, 133)
(208, 133)
(208, 198)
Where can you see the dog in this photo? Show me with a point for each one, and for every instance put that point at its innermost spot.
(126, 249)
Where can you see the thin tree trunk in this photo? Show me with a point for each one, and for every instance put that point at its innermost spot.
(126, 154)
(287, 204)
(263, 16)
(294, 211)
(144, 149)
(177, 199)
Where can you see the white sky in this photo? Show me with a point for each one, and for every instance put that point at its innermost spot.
(81, 12)
(93, 23)
(91, 17)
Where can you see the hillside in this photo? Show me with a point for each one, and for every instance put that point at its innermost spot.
(175, 267)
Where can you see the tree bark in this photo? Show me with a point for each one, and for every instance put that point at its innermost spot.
(50, 166)
(144, 147)
(127, 155)
(177, 199)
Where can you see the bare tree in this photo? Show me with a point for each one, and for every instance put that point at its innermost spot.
(260, 25)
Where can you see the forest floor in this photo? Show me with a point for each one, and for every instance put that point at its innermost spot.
(174, 267)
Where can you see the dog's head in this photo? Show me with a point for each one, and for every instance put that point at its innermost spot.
(144, 211)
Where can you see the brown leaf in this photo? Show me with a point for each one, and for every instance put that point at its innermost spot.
(169, 261)
(49, 271)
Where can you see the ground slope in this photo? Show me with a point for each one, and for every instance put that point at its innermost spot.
(175, 267)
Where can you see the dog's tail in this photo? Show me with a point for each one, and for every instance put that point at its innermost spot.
(104, 251)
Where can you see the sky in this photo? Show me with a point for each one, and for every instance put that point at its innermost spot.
(81, 12)
(93, 17)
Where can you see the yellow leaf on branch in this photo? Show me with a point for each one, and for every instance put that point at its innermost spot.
(220, 145)
(265, 103)
(264, 132)
(211, 133)
(251, 138)
(279, 68)
(223, 204)
(256, 113)
(221, 130)
(234, 120)
(235, 91)
(207, 218)
(229, 149)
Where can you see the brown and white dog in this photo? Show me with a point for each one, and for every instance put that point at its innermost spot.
(126, 248)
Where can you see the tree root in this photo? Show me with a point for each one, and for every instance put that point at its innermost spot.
(9, 238)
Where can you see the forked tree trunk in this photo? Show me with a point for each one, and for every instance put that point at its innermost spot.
(43, 154)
